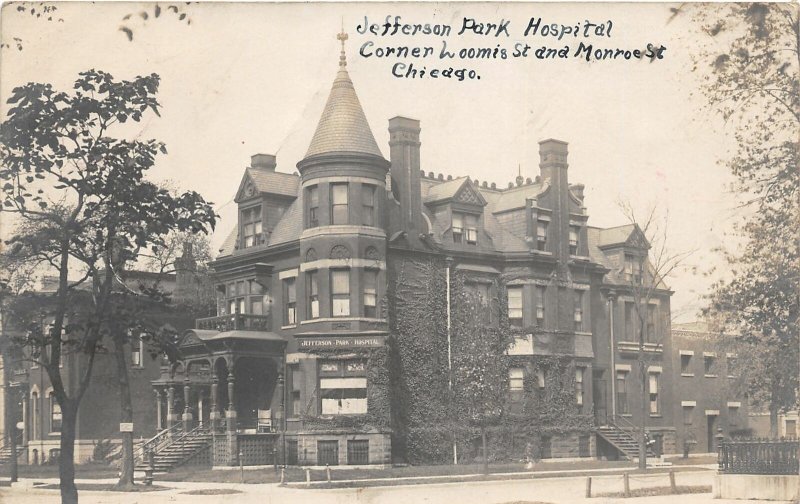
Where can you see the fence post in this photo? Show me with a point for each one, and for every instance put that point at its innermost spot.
(588, 487)
(627, 483)
(308, 475)
(328, 472)
(283, 476)
(673, 488)
(241, 466)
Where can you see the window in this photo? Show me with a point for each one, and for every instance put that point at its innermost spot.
(339, 211)
(312, 285)
(578, 310)
(472, 228)
(540, 378)
(651, 335)
(370, 293)
(654, 410)
(516, 379)
(340, 293)
(579, 386)
(368, 204)
(540, 292)
(357, 451)
(622, 392)
(55, 414)
(630, 322)
(343, 387)
(731, 366)
(541, 235)
(137, 351)
(328, 452)
(515, 306)
(633, 269)
(688, 415)
(313, 206)
(296, 407)
(458, 227)
(289, 301)
(573, 240)
(733, 416)
(245, 297)
(251, 227)
(709, 365)
(35, 416)
(686, 365)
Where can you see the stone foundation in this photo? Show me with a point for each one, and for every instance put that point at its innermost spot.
(379, 448)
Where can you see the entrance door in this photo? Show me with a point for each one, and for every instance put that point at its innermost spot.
(599, 397)
(712, 443)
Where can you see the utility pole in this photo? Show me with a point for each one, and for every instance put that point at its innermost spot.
(449, 262)
(9, 398)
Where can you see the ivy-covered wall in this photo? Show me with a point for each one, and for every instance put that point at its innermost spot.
(428, 415)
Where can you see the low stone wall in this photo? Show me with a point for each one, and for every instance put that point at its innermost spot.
(380, 448)
(757, 486)
(568, 445)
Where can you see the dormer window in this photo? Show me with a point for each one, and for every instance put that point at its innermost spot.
(574, 232)
(541, 235)
(251, 227)
(633, 269)
(465, 228)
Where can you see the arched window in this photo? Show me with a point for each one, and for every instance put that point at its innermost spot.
(35, 417)
(55, 414)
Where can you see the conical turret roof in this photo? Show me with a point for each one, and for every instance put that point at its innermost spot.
(343, 126)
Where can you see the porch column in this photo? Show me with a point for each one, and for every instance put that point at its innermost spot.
(159, 410)
(172, 415)
(230, 415)
(187, 407)
(214, 414)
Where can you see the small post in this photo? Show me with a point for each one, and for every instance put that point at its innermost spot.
(626, 480)
(328, 472)
(308, 475)
(275, 457)
(588, 487)
(241, 466)
(283, 476)
(672, 485)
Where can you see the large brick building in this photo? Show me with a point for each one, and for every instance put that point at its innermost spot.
(303, 275)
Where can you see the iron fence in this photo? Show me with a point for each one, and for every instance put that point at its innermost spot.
(759, 456)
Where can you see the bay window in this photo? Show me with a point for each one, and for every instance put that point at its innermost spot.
(515, 306)
(370, 282)
(339, 204)
(312, 287)
(368, 205)
(340, 293)
(313, 206)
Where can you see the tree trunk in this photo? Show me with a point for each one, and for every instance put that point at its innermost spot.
(10, 415)
(773, 421)
(485, 452)
(126, 415)
(66, 462)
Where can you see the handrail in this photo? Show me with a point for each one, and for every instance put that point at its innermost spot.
(619, 419)
(156, 442)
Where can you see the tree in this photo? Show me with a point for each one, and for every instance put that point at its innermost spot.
(480, 363)
(84, 207)
(750, 64)
(645, 275)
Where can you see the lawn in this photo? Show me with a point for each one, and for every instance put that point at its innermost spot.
(82, 471)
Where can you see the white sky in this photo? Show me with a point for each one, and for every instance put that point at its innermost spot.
(249, 78)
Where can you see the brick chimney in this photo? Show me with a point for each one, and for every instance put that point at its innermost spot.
(263, 162)
(404, 154)
(553, 167)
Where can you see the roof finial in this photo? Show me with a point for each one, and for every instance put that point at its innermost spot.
(342, 37)
(519, 179)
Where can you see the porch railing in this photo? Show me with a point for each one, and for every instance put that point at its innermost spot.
(759, 456)
(157, 442)
(235, 322)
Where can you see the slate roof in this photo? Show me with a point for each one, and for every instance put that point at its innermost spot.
(284, 184)
(513, 199)
(615, 236)
(444, 190)
(343, 126)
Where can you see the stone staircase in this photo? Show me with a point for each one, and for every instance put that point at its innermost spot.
(5, 453)
(177, 450)
(623, 440)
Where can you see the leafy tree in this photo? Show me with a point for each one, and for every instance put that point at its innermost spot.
(84, 207)
(750, 63)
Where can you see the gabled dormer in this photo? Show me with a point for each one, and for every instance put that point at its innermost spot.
(458, 207)
(263, 197)
(628, 247)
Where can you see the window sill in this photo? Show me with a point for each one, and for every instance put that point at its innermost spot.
(290, 326)
(732, 377)
(655, 415)
(711, 376)
(626, 415)
(343, 319)
(688, 375)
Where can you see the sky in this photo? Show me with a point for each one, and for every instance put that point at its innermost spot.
(251, 78)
